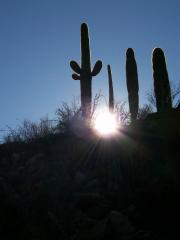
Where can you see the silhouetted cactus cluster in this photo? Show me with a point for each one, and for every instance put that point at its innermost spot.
(84, 74)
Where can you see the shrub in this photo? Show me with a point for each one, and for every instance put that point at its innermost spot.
(175, 95)
(29, 131)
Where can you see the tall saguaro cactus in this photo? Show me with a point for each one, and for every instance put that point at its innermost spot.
(84, 73)
(162, 88)
(111, 92)
(132, 83)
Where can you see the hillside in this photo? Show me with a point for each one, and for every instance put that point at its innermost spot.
(70, 186)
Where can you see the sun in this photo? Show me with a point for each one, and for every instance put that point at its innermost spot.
(105, 123)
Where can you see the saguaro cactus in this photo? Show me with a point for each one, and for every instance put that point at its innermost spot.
(84, 73)
(111, 92)
(161, 81)
(132, 83)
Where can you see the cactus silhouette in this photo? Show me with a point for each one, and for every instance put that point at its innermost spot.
(84, 73)
(111, 92)
(132, 83)
(162, 88)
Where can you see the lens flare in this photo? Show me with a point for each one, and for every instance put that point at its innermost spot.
(105, 123)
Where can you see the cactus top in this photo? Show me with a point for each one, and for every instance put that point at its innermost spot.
(131, 72)
(130, 53)
(158, 56)
(85, 48)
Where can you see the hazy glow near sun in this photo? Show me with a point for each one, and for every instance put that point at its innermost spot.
(105, 123)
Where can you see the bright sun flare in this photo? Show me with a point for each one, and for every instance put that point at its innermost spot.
(105, 123)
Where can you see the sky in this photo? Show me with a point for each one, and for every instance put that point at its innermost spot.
(38, 39)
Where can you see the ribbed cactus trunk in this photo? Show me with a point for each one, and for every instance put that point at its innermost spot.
(86, 82)
(162, 88)
(85, 73)
(111, 92)
(132, 83)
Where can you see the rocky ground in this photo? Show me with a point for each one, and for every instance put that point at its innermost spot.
(82, 187)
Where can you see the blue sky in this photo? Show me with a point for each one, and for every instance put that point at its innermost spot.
(38, 38)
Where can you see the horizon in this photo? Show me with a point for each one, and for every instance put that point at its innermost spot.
(39, 39)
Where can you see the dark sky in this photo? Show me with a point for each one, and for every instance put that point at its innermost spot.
(38, 38)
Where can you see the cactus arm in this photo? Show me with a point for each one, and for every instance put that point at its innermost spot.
(76, 77)
(97, 68)
(111, 92)
(75, 67)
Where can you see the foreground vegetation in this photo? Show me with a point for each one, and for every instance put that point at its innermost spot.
(73, 185)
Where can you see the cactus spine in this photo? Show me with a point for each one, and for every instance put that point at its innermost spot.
(132, 83)
(161, 81)
(111, 92)
(84, 73)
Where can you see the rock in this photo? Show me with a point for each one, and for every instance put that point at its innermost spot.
(85, 200)
(35, 159)
(96, 232)
(98, 212)
(80, 177)
(15, 159)
(94, 205)
(91, 185)
(118, 225)
(143, 235)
